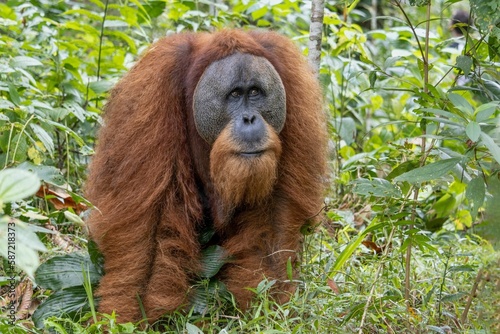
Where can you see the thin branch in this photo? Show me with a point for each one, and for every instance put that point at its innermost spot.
(315, 34)
(472, 294)
(101, 37)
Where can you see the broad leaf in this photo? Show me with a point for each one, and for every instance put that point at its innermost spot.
(44, 137)
(376, 187)
(47, 174)
(491, 145)
(66, 271)
(429, 172)
(461, 103)
(70, 302)
(484, 111)
(213, 258)
(464, 63)
(193, 329)
(475, 193)
(490, 227)
(26, 246)
(16, 184)
(473, 131)
(23, 61)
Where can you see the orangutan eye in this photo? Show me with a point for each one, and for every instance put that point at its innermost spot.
(236, 93)
(253, 92)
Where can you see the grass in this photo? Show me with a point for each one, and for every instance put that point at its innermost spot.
(336, 302)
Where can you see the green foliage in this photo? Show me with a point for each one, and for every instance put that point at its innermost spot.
(20, 244)
(415, 134)
(66, 276)
(17, 184)
(487, 19)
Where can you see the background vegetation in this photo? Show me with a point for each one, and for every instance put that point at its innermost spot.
(412, 218)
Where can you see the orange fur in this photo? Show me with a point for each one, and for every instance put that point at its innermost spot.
(240, 180)
(156, 183)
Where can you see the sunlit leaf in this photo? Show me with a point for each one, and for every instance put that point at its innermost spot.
(44, 137)
(484, 111)
(16, 184)
(26, 246)
(354, 244)
(24, 61)
(192, 329)
(47, 174)
(473, 131)
(491, 145)
(461, 103)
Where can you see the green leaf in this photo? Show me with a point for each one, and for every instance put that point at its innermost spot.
(373, 78)
(14, 95)
(258, 10)
(154, 8)
(289, 269)
(453, 297)
(484, 111)
(441, 112)
(346, 128)
(376, 187)
(193, 329)
(101, 86)
(27, 245)
(429, 172)
(475, 193)
(353, 245)
(402, 168)
(491, 145)
(461, 103)
(205, 293)
(490, 227)
(16, 184)
(473, 131)
(47, 174)
(264, 286)
(96, 257)
(65, 271)
(213, 258)
(23, 61)
(464, 63)
(74, 218)
(461, 268)
(44, 137)
(83, 12)
(71, 302)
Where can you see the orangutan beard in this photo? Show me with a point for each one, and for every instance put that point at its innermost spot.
(241, 179)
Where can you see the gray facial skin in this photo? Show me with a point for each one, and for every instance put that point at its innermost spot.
(244, 91)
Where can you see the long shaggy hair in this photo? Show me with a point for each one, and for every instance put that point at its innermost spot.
(156, 183)
(239, 180)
